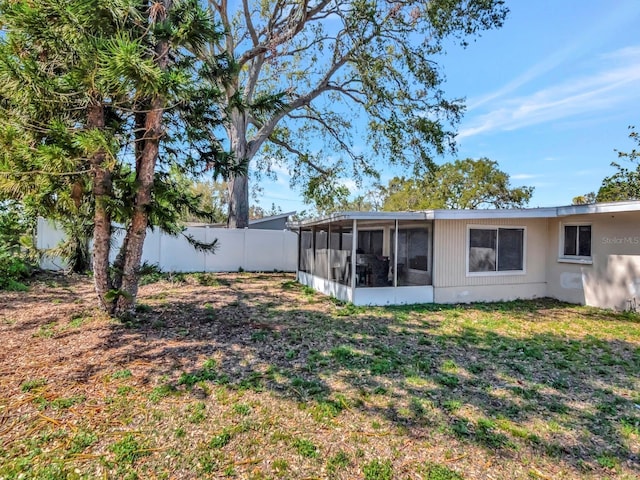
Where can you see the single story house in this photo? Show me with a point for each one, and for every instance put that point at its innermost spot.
(585, 254)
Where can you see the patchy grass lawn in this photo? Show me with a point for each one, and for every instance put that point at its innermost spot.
(253, 376)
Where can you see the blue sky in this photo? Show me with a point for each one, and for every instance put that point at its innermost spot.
(549, 97)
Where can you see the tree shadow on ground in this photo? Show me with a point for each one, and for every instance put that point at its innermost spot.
(567, 397)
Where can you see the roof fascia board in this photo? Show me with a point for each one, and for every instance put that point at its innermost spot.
(616, 207)
(489, 214)
(380, 216)
(544, 212)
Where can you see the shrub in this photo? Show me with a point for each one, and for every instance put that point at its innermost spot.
(13, 268)
(16, 246)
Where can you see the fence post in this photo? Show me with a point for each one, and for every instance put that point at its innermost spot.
(244, 248)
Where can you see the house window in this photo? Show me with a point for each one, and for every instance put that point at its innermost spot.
(576, 241)
(493, 249)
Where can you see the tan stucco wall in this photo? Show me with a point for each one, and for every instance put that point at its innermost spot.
(451, 282)
(489, 293)
(612, 280)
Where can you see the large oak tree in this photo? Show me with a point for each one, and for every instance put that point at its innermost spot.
(303, 71)
(464, 184)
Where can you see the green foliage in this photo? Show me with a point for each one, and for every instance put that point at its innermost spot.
(447, 380)
(241, 409)
(607, 461)
(162, 391)
(465, 184)
(382, 65)
(12, 270)
(305, 448)
(63, 403)
(377, 470)
(197, 412)
(486, 434)
(212, 201)
(16, 247)
(206, 373)
(77, 83)
(127, 450)
(74, 249)
(122, 374)
(338, 461)
(433, 471)
(311, 388)
(16, 227)
(30, 385)
(452, 405)
(82, 440)
(220, 440)
(585, 199)
(625, 183)
(280, 465)
(150, 273)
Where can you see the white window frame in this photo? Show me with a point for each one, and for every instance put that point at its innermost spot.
(582, 259)
(497, 272)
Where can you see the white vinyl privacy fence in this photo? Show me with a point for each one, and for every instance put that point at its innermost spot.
(247, 249)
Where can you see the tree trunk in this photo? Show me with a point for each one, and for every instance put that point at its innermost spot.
(102, 191)
(238, 183)
(137, 230)
(146, 158)
(238, 202)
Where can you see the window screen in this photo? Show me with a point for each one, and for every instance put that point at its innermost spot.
(577, 240)
(417, 246)
(482, 250)
(510, 249)
(496, 249)
(321, 239)
(584, 240)
(570, 239)
(306, 251)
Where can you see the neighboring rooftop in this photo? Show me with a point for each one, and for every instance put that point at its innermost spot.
(273, 222)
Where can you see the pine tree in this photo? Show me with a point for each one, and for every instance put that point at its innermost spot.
(97, 99)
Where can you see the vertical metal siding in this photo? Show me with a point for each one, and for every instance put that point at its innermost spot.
(450, 253)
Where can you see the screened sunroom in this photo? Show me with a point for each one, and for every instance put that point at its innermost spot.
(373, 258)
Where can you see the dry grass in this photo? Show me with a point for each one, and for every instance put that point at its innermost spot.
(253, 376)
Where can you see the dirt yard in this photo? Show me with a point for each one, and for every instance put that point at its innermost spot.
(253, 376)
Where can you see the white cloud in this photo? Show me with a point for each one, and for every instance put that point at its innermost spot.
(280, 170)
(544, 184)
(524, 176)
(611, 87)
(534, 72)
(350, 184)
(630, 52)
(618, 16)
(274, 195)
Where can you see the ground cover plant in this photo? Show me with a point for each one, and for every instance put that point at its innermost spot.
(254, 376)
